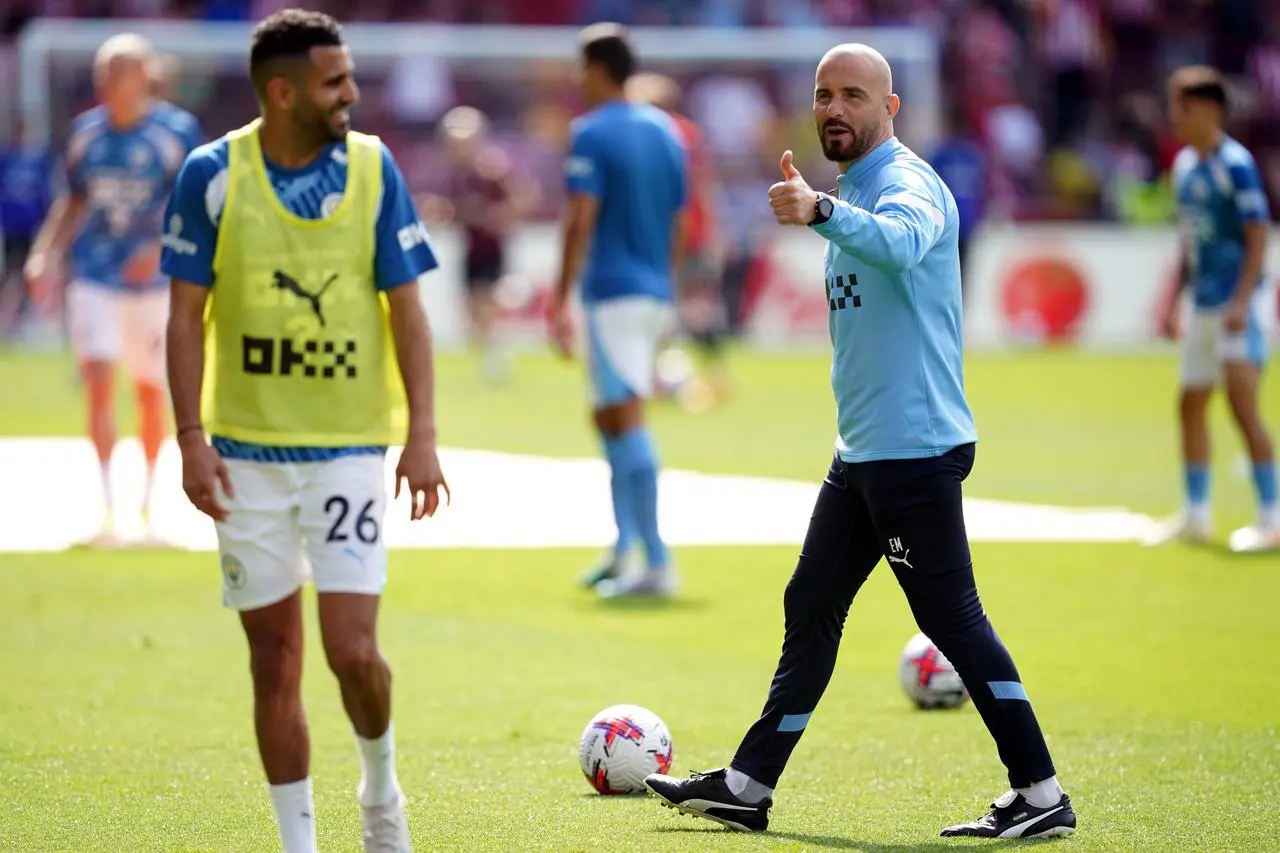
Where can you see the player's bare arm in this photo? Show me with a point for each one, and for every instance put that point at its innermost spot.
(1255, 251)
(1169, 324)
(51, 243)
(142, 265)
(579, 225)
(202, 468)
(419, 465)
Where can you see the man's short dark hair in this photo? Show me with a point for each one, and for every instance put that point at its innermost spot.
(286, 36)
(609, 46)
(1202, 83)
(1211, 90)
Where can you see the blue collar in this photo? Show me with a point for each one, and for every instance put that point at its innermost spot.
(868, 163)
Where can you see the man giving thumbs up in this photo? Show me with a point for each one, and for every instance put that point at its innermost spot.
(793, 201)
(905, 445)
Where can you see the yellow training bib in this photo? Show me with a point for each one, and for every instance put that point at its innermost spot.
(298, 339)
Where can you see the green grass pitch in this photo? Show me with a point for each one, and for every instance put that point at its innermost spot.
(124, 691)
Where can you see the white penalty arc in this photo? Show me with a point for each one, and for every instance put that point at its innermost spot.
(50, 498)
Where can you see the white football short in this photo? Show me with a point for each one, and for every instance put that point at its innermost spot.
(622, 351)
(294, 522)
(1207, 345)
(119, 326)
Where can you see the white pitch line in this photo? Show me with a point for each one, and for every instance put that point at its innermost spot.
(50, 497)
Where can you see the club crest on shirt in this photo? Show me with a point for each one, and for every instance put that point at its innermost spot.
(139, 156)
(330, 204)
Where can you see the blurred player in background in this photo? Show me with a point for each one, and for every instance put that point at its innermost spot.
(484, 205)
(28, 186)
(121, 160)
(698, 280)
(1224, 221)
(294, 244)
(624, 218)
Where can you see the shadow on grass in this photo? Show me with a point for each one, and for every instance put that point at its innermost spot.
(1222, 549)
(645, 604)
(835, 842)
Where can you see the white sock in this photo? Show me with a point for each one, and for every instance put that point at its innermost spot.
(150, 484)
(745, 788)
(107, 497)
(1269, 517)
(294, 816)
(1200, 513)
(1043, 794)
(378, 783)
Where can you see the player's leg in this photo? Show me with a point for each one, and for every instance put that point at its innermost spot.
(262, 574)
(1244, 355)
(625, 334)
(93, 324)
(144, 317)
(615, 412)
(840, 549)
(918, 511)
(343, 505)
(706, 323)
(1200, 372)
(482, 308)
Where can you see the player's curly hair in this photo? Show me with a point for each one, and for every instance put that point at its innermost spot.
(288, 35)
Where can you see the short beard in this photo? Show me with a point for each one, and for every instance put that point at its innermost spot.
(850, 148)
(334, 134)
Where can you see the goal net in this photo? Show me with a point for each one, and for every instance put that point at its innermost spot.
(748, 90)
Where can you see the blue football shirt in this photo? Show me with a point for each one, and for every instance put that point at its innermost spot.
(125, 177)
(1216, 195)
(962, 166)
(628, 157)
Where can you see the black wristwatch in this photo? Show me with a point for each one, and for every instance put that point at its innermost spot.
(822, 210)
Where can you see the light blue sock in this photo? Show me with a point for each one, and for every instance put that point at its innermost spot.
(1197, 484)
(1264, 483)
(642, 465)
(620, 486)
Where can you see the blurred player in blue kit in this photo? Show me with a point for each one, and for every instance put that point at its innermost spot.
(625, 218)
(1223, 220)
(121, 161)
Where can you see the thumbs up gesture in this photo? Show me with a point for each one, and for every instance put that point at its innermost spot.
(793, 201)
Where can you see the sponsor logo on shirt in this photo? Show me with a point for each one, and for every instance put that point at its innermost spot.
(173, 239)
(578, 167)
(412, 235)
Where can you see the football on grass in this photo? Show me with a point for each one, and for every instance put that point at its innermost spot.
(621, 745)
(928, 678)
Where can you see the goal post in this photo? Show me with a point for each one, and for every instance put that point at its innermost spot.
(737, 82)
(45, 44)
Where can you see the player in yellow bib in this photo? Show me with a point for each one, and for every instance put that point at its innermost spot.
(298, 352)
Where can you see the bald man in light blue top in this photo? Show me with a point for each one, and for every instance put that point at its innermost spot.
(904, 445)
